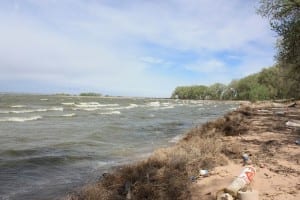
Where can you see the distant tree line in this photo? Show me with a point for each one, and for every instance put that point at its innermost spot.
(265, 85)
(90, 94)
(278, 82)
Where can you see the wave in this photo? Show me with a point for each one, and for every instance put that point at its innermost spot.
(56, 109)
(93, 105)
(86, 109)
(18, 106)
(124, 107)
(104, 163)
(163, 108)
(33, 110)
(68, 103)
(27, 111)
(176, 139)
(111, 113)
(20, 119)
(132, 106)
(69, 115)
(154, 104)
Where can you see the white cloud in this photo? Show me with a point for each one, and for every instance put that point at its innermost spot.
(108, 45)
(151, 60)
(209, 66)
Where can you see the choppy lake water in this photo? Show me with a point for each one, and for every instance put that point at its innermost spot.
(50, 145)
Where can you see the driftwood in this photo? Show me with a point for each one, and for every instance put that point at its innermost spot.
(284, 100)
(292, 105)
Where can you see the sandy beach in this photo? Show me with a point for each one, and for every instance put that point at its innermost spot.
(270, 141)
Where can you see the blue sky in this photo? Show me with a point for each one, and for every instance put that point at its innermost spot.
(129, 47)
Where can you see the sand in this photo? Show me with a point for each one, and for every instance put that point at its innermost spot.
(271, 143)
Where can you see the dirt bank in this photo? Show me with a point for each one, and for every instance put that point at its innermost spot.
(267, 132)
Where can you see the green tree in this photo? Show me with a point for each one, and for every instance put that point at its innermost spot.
(271, 79)
(284, 17)
(259, 92)
(216, 90)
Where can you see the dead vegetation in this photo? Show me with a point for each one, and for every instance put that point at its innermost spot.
(167, 173)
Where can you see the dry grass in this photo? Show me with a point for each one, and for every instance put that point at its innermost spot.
(165, 175)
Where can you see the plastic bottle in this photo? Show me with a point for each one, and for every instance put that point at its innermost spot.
(245, 177)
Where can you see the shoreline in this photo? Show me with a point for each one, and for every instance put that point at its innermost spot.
(172, 172)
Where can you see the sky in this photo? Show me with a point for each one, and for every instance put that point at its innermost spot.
(129, 47)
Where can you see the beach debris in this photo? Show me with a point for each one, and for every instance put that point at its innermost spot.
(224, 196)
(246, 159)
(203, 172)
(193, 178)
(248, 195)
(240, 182)
(293, 124)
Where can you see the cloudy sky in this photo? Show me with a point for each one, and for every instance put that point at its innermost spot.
(129, 47)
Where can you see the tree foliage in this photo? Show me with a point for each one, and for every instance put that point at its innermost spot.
(284, 17)
(264, 85)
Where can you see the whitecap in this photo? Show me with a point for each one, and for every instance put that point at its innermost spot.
(34, 110)
(20, 119)
(111, 113)
(154, 104)
(69, 115)
(68, 103)
(176, 139)
(104, 163)
(132, 106)
(124, 107)
(18, 106)
(55, 109)
(94, 105)
(27, 111)
(87, 105)
(43, 99)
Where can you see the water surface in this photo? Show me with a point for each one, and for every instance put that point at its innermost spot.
(50, 145)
